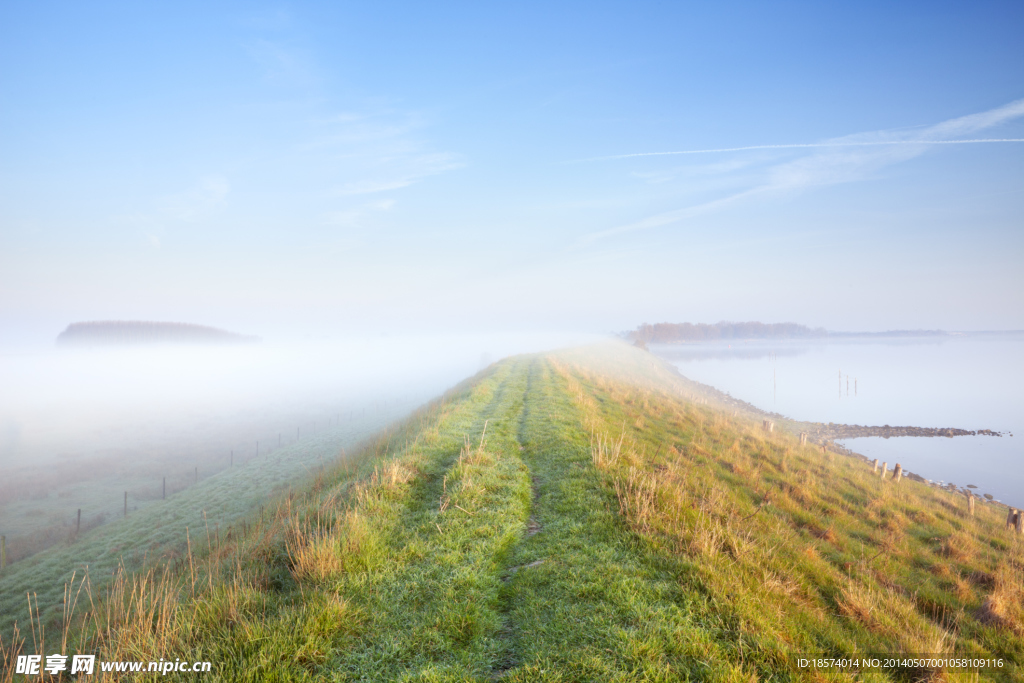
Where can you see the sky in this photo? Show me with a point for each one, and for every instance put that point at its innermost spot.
(329, 168)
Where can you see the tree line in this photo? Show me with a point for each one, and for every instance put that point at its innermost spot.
(673, 333)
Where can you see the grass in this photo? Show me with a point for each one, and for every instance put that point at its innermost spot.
(156, 532)
(44, 487)
(577, 517)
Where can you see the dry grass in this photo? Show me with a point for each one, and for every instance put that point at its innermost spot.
(1003, 607)
(959, 546)
(318, 554)
(866, 535)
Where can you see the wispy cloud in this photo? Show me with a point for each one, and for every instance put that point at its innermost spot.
(392, 165)
(808, 145)
(371, 186)
(944, 133)
(839, 160)
(188, 206)
(366, 147)
(354, 217)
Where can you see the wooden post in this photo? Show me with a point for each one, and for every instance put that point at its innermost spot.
(884, 466)
(78, 524)
(163, 495)
(897, 473)
(874, 470)
(1020, 522)
(970, 503)
(771, 426)
(125, 503)
(1011, 518)
(803, 438)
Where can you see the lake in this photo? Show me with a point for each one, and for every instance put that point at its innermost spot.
(964, 381)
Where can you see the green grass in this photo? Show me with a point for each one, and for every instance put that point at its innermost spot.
(573, 517)
(156, 532)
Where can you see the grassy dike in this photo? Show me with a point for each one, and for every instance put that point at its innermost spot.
(572, 517)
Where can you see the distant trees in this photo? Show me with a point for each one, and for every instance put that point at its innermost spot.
(674, 333)
(144, 332)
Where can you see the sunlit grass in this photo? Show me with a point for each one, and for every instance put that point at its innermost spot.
(576, 517)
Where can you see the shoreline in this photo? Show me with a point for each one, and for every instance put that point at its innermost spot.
(825, 435)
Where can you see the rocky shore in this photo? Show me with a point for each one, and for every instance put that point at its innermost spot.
(830, 432)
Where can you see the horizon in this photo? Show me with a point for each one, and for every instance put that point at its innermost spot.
(308, 169)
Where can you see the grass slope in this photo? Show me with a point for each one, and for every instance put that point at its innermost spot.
(571, 517)
(158, 531)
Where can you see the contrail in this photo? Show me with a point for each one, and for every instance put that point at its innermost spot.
(807, 145)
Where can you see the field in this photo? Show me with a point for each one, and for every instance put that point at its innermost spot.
(43, 552)
(575, 516)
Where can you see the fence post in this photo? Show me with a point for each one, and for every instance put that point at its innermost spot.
(1011, 518)
(970, 503)
(897, 473)
(1020, 522)
(874, 469)
(884, 466)
(803, 438)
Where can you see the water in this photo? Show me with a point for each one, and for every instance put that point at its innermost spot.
(969, 382)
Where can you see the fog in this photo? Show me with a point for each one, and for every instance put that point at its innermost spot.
(80, 426)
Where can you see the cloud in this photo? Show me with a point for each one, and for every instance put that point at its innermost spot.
(399, 170)
(371, 186)
(840, 160)
(801, 145)
(668, 217)
(945, 133)
(198, 202)
(353, 217)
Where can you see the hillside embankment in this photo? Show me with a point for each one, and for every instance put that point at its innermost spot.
(582, 516)
(824, 435)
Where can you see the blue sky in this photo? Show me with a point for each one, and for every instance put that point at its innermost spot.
(327, 167)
